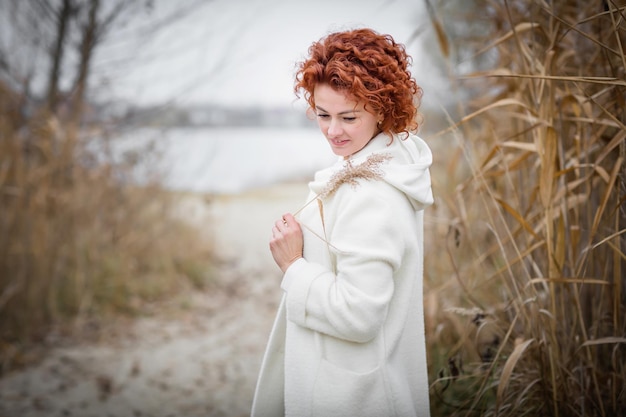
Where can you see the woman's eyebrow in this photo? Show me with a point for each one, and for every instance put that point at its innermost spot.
(342, 112)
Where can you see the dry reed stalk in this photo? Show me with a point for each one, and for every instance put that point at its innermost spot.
(76, 243)
(547, 174)
(368, 170)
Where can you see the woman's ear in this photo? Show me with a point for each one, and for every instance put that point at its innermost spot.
(310, 113)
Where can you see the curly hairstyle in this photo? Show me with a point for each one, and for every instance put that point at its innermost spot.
(370, 68)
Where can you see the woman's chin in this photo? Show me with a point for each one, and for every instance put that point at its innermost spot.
(340, 149)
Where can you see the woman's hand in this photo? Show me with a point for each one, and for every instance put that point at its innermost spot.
(286, 243)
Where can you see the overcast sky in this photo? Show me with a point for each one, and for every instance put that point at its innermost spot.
(243, 52)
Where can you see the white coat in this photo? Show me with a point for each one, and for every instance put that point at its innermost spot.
(348, 339)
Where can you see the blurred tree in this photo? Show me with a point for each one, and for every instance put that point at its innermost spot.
(50, 42)
(77, 237)
(47, 47)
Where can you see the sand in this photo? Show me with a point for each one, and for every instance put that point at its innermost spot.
(202, 360)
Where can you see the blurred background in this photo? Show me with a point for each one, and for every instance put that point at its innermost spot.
(190, 73)
(147, 146)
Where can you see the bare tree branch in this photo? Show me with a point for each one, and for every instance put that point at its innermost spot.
(63, 20)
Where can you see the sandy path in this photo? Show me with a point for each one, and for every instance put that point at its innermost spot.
(202, 362)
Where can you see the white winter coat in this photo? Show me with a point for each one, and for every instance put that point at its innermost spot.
(348, 339)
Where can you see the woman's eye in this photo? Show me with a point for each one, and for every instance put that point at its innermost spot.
(349, 119)
(322, 116)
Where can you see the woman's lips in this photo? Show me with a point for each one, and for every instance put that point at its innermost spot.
(339, 142)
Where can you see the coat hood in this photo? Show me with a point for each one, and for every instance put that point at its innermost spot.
(405, 166)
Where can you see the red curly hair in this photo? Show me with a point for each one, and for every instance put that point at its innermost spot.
(370, 68)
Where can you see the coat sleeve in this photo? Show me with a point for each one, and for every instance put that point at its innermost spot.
(351, 303)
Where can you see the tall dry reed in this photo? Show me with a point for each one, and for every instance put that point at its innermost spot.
(535, 195)
(77, 240)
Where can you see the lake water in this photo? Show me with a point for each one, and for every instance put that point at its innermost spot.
(228, 160)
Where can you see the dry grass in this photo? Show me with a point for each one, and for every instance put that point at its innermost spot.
(534, 195)
(76, 240)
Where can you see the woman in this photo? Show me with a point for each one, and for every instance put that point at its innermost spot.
(348, 339)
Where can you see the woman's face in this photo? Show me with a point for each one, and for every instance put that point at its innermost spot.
(348, 127)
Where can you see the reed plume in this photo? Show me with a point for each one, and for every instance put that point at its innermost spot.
(350, 174)
(368, 170)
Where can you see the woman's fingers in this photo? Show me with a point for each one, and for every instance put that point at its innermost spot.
(285, 223)
(286, 244)
(289, 220)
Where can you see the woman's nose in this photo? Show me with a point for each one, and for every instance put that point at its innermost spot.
(334, 128)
